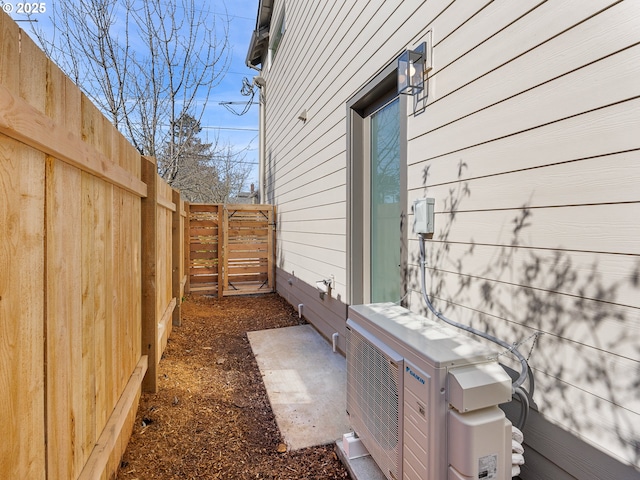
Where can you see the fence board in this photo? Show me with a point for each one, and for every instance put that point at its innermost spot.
(165, 300)
(64, 334)
(259, 247)
(204, 231)
(9, 53)
(223, 248)
(22, 429)
(90, 264)
(177, 260)
(200, 280)
(201, 257)
(231, 249)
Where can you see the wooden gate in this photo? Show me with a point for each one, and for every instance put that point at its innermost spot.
(231, 249)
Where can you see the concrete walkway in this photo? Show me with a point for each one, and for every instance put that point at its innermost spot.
(306, 384)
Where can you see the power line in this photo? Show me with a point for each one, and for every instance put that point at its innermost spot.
(242, 129)
(248, 72)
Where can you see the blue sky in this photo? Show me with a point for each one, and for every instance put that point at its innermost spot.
(242, 15)
(239, 131)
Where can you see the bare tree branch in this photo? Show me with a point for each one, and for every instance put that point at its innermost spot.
(148, 65)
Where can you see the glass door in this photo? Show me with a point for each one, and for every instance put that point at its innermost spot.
(384, 204)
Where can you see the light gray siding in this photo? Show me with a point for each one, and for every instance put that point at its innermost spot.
(530, 144)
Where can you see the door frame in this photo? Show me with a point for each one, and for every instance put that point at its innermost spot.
(381, 89)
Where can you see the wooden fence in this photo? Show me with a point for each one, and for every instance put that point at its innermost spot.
(230, 249)
(91, 273)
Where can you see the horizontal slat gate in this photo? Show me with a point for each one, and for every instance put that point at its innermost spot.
(248, 249)
(203, 225)
(231, 249)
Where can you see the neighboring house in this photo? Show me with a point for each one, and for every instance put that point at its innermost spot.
(529, 142)
(249, 197)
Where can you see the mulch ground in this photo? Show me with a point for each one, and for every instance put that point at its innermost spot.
(211, 417)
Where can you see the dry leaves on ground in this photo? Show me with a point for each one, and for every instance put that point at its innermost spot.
(211, 417)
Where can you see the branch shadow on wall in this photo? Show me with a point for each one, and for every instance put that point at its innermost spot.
(269, 198)
(585, 363)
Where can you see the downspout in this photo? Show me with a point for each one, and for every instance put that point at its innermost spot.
(259, 82)
(262, 146)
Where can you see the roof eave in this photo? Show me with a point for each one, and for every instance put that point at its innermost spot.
(260, 36)
(257, 47)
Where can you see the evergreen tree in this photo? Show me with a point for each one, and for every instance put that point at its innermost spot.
(203, 172)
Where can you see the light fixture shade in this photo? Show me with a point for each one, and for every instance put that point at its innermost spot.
(411, 72)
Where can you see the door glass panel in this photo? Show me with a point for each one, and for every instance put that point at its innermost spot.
(385, 232)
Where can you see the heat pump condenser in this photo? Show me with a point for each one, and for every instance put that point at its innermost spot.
(423, 398)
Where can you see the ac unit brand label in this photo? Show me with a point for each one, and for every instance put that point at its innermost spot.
(415, 375)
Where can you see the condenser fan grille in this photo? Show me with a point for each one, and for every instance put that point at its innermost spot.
(373, 386)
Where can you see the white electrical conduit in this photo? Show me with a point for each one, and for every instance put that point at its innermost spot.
(517, 451)
(511, 348)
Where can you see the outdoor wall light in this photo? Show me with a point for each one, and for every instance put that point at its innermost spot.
(411, 70)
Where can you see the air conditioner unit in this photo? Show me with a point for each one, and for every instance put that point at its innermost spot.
(423, 398)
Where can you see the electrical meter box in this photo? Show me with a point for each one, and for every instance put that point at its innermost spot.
(423, 216)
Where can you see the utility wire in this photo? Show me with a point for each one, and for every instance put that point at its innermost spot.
(242, 129)
(247, 90)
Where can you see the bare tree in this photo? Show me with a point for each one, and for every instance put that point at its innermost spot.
(209, 172)
(144, 63)
(233, 173)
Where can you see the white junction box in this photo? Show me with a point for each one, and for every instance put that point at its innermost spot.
(423, 398)
(423, 216)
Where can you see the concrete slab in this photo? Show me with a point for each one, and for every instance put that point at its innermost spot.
(306, 384)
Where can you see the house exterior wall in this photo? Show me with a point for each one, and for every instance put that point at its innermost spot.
(529, 143)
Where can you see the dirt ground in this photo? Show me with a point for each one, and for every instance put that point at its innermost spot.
(211, 417)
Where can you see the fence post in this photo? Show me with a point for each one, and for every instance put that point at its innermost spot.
(187, 248)
(149, 214)
(223, 268)
(177, 257)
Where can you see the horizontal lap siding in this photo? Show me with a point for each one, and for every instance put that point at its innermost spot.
(567, 140)
(562, 98)
(571, 273)
(332, 241)
(583, 331)
(327, 315)
(306, 162)
(610, 177)
(530, 145)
